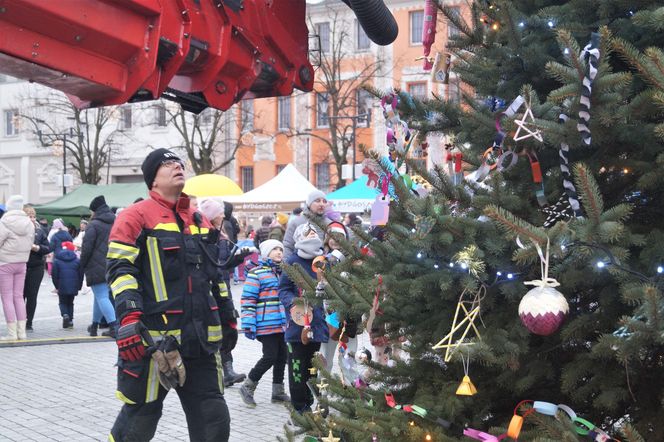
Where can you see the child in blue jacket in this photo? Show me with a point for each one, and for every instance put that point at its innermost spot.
(264, 318)
(308, 246)
(68, 280)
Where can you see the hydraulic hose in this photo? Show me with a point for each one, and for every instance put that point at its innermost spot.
(376, 20)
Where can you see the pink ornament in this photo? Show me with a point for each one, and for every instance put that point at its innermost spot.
(542, 310)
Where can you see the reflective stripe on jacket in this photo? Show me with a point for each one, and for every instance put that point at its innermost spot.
(156, 264)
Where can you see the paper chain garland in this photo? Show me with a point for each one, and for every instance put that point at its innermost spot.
(582, 426)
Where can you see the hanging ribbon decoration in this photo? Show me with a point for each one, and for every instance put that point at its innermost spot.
(591, 56)
(430, 17)
(568, 205)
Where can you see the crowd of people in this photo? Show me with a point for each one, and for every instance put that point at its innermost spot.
(160, 271)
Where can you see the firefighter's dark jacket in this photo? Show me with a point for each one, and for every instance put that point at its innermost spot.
(156, 265)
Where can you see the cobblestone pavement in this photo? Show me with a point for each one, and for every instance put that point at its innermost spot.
(66, 391)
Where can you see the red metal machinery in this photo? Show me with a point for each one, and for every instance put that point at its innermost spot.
(198, 52)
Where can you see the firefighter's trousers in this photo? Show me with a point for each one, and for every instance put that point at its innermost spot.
(202, 399)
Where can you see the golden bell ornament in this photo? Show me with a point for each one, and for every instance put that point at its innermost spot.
(466, 387)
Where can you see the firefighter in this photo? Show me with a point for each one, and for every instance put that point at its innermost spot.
(161, 270)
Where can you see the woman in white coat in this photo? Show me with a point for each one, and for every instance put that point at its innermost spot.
(16, 237)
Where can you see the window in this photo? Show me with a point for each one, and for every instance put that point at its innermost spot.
(247, 174)
(11, 122)
(363, 101)
(125, 118)
(323, 30)
(453, 31)
(416, 22)
(205, 117)
(247, 110)
(362, 41)
(280, 167)
(454, 91)
(160, 115)
(418, 90)
(284, 111)
(322, 109)
(323, 176)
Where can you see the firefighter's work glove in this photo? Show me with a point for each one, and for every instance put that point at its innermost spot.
(171, 367)
(129, 337)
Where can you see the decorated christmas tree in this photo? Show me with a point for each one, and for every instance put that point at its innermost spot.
(514, 290)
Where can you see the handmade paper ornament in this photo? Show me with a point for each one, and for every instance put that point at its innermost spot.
(466, 387)
(471, 309)
(380, 210)
(440, 73)
(543, 309)
(330, 438)
(522, 124)
(298, 314)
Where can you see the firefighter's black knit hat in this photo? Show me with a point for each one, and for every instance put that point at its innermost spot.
(152, 162)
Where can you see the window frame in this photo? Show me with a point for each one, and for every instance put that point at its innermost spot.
(410, 85)
(247, 111)
(10, 117)
(323, 185)
(160, 109)
(244, 171)
(123, 118)
(284, 102)
(358, 93)
(413, 27)
(324, 45)
(361, 36)
(322, 123)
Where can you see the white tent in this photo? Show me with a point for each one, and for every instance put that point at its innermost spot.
(283, 193)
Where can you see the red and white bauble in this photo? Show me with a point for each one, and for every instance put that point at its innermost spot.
(542, 310)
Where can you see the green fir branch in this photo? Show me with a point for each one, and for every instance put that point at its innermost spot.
(589, 192)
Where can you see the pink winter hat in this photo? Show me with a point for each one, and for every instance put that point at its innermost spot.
(211, 209)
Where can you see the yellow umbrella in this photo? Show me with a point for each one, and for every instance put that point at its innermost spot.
(211, 185)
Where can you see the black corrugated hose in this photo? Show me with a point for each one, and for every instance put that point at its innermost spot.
(376, 20)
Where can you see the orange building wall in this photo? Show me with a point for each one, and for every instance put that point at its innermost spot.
(404, 56)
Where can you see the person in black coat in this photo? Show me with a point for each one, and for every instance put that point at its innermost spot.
(93, 262)
(227, 260)
(68, 280)
(35, 267)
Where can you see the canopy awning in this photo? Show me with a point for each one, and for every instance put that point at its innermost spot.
(355, 197)
(76, 202)
(283, 193)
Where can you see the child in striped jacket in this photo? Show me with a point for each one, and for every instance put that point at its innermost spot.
(264, 318)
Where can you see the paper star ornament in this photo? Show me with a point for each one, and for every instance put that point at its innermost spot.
(470, 309)
(330, 438)
(522, 125)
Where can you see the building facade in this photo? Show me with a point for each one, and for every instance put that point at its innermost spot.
(265, 134)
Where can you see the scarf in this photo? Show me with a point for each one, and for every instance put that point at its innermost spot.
(309, 248)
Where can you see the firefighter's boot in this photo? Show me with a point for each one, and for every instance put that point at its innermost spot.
(230, 377)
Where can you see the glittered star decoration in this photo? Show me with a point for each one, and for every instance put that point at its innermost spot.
(330, 438)
(471, 309)
(535, 133)
(322, 386)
